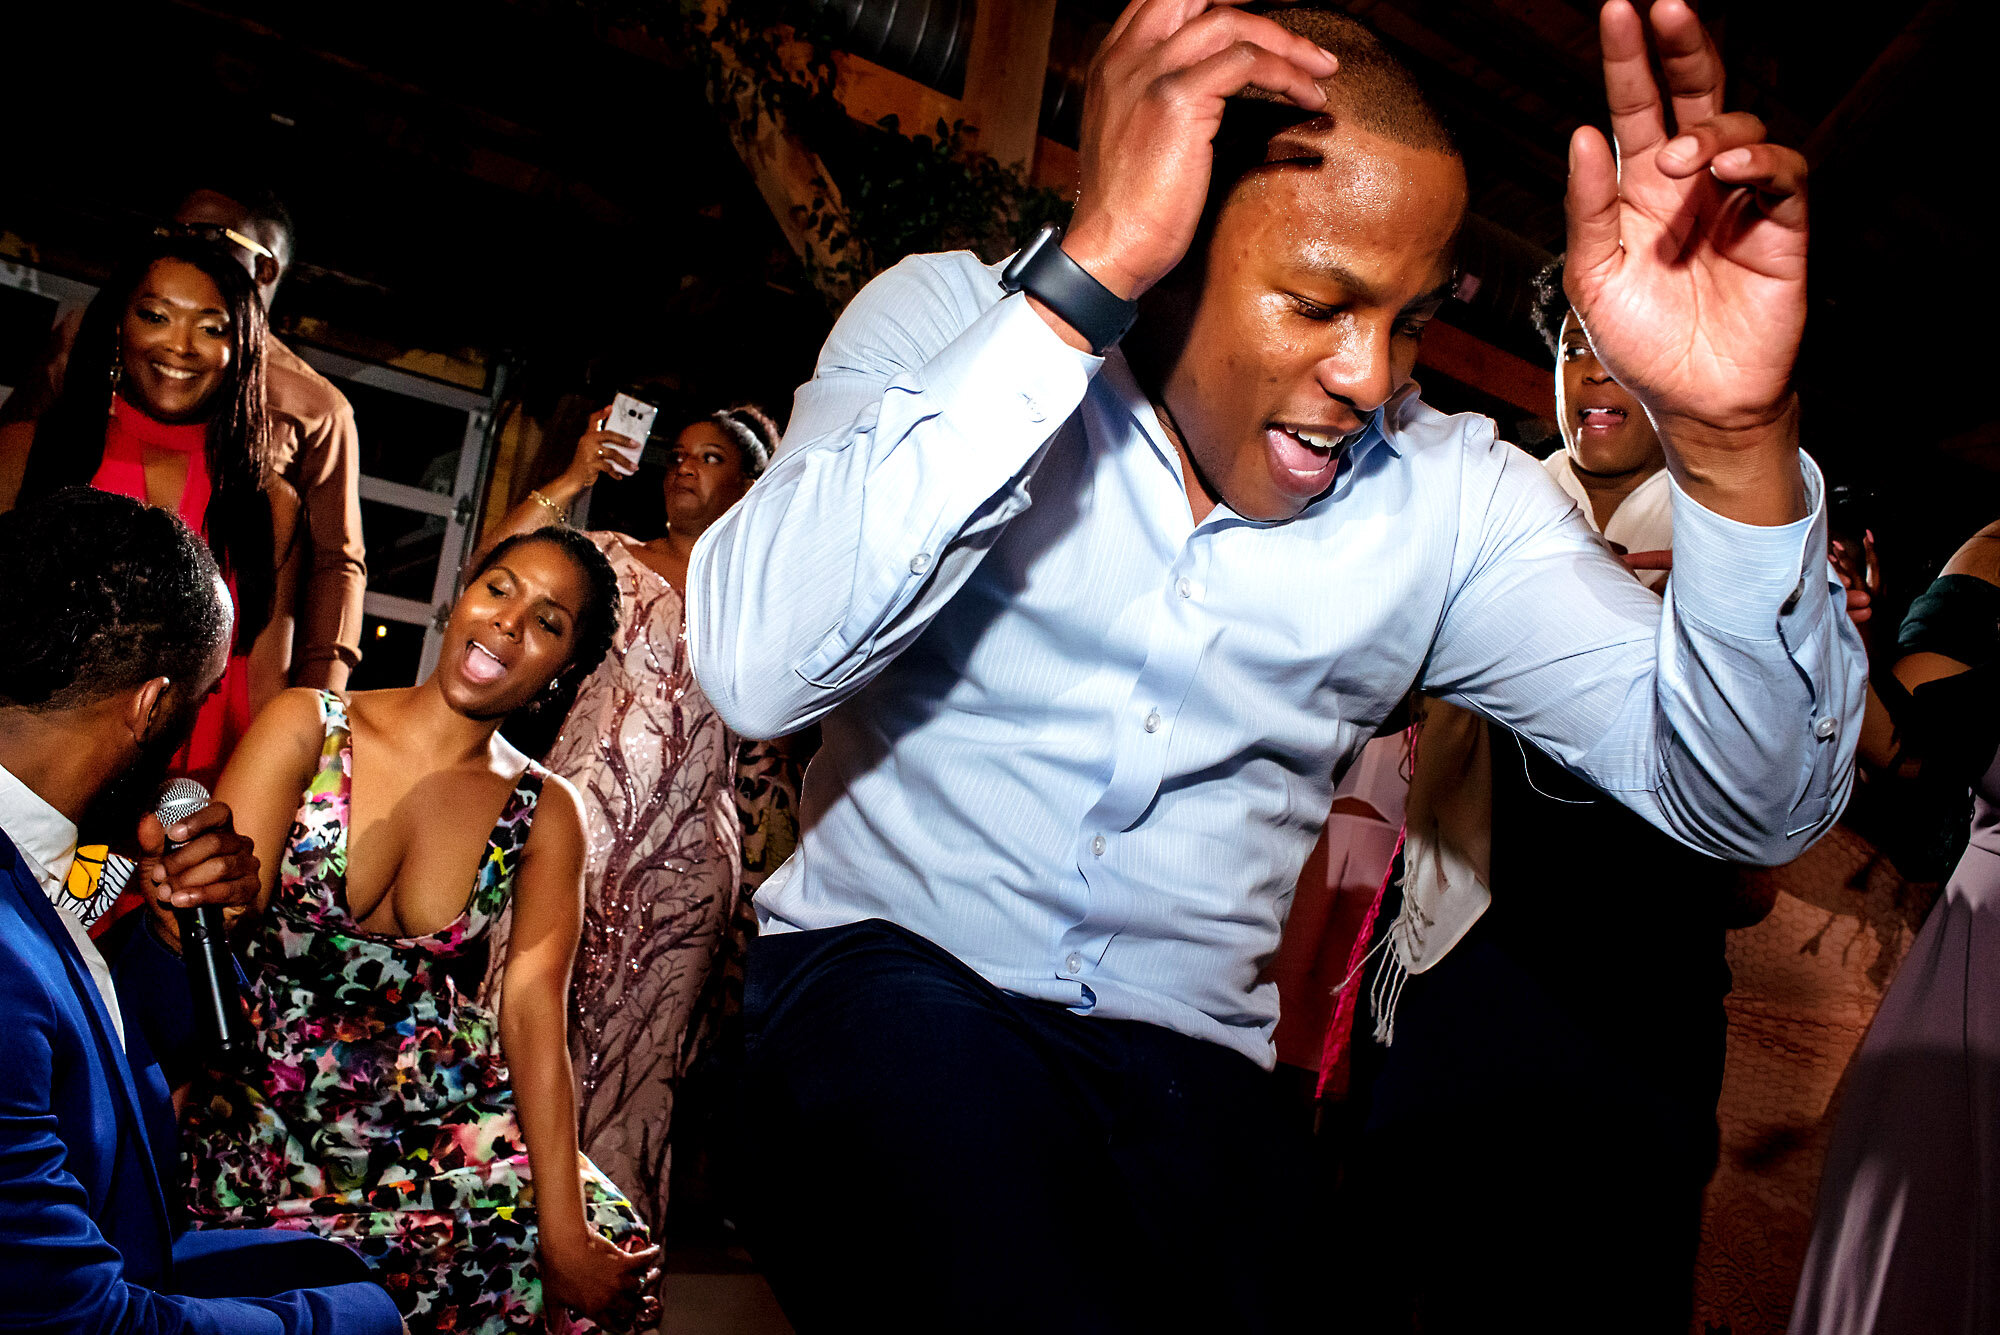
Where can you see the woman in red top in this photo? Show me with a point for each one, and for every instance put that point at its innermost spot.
(163, 401)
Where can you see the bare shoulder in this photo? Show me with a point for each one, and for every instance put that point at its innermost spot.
(558, 815)
(1980, 557)
(283, 743)
(296, 709)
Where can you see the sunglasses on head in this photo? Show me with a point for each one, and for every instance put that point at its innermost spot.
(216, 232)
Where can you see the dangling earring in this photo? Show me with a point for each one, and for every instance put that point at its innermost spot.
(117, 377)
(545, 697)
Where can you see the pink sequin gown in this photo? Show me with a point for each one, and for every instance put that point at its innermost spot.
(661, 778)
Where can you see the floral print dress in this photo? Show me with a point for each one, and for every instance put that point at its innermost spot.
(378, 1111)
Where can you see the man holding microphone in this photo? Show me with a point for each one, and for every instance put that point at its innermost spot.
(116, 625)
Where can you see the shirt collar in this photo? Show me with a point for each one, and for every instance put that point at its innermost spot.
(1116, 376)
(44, 835)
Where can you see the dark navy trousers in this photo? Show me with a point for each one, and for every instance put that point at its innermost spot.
(924, 1151)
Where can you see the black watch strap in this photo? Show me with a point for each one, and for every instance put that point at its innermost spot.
(1045, 272)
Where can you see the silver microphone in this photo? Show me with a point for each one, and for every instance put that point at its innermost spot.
(218, 1005)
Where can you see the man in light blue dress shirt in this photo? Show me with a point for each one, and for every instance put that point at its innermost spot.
(1090, 631)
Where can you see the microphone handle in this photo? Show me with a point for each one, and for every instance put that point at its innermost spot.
(211, 971)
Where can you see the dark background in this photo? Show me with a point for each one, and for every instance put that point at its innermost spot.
(546, 185)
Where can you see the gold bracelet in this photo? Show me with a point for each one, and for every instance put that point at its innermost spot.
(561, 513)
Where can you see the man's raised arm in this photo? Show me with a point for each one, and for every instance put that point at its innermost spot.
(907, 453)
(1732, 721)
(1728, 719)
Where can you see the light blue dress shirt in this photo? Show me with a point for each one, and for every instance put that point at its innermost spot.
(1085, 744)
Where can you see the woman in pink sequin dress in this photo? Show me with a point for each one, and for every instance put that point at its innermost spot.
(681, 816)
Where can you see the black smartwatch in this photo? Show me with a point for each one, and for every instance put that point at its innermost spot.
(1050, 276)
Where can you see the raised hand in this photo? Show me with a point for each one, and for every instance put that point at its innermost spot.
(597, 452)
(1150, 113)
(1687, 264)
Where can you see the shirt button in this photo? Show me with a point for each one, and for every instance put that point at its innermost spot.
(1825, 728)
(1074, 963)
(1183, 587)
(1035, 413)
(1153, 721)
(1097, 846)
(920, 563)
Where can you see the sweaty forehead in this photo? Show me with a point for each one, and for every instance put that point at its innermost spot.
(1328, 190)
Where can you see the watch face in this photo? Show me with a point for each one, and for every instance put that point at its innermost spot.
(1010, 277)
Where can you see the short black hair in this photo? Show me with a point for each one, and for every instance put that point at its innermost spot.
(1374, 88)
(102, 594)
(534, 729)
(265, 207)
(1551, 305)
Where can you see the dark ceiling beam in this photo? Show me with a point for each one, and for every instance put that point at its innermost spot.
(1884, 82)
(1480, 115)
(1537, 68)
(282, 43)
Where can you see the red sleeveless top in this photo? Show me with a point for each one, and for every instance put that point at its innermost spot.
(226, 714)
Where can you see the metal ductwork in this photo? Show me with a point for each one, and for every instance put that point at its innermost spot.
(926, 40)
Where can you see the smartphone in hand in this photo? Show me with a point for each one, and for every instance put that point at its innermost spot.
(633, 420)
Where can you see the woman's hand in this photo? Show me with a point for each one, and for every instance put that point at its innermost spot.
(1861, 573)
(596, 1276)
(597, 453)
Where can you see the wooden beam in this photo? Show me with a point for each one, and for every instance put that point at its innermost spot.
(1475, 362)
(795, 184)
(1004, 74)
(870, 92)
(1058, 167)
(1881, 80)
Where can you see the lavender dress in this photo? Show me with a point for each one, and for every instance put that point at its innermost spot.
(1909, 1209)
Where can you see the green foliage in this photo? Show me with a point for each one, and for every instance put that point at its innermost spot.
(899, 194)
(906, 194)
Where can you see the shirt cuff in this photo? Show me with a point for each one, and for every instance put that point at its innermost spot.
(1008, 377)
(1742, 579)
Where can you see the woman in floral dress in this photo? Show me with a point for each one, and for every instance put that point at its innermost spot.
(386, 1108)
(678, 812)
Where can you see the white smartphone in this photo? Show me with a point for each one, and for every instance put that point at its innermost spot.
(633, 420)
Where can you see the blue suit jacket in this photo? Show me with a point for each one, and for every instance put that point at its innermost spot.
(87, 1144)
